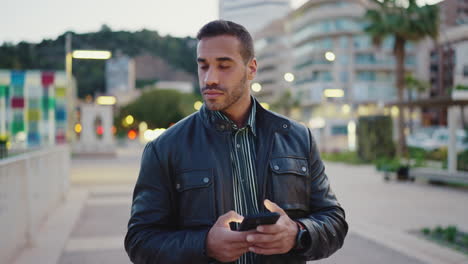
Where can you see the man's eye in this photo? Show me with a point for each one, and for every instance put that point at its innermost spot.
(204, 67)
(223, 67)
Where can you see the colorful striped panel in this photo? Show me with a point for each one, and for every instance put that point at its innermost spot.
(47, 78)
(60, 92)
(33, 115)
(17, 91)
(60, 114)
(17, 102)
(3, 90)
(34, 103)
(17, 78)
(34, 139)
(16, 127)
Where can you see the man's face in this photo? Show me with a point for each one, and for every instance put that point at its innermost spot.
(223, 76)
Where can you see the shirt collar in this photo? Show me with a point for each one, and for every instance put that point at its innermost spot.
(250, 121)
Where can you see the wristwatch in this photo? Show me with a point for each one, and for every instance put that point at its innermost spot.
(302, 237)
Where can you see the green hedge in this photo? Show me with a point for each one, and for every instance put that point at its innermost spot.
(375, 138)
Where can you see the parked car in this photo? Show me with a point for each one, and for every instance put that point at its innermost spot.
(432, 138)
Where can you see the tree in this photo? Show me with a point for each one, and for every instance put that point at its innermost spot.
(414, 84)
(285, 103)
(405, 22)
(158, 108)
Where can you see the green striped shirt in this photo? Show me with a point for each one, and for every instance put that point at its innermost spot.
(243, 170)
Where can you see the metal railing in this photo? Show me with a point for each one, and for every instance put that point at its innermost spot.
(31, 185)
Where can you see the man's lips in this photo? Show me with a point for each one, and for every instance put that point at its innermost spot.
(212, 94)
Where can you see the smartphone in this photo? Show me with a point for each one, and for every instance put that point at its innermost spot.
(252, 221)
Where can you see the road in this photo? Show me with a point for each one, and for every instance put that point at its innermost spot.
(382, 216)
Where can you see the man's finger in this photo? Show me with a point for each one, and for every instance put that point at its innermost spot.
(269, 229)
(265, 251)
(235, 236)
(261, 238)
(230, 216)
(277, 244)
(272, 207)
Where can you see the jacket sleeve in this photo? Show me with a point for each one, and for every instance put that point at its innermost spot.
(326, 222)
(152, 235)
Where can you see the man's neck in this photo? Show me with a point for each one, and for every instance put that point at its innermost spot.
(240, 115)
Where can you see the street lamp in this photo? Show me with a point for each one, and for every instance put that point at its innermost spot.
(289, 77)
(256, 87)
(79, 54)
(92, 54)
(330, 56)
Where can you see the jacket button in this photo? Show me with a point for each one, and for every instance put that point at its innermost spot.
(177, 186)
(222, 127)
(206, 180)
(285, 126)
(276, 167)
(304, 169)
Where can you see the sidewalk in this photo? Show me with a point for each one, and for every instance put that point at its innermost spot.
(90, 226)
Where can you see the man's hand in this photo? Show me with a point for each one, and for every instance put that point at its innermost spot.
(223, 244)
(274, 239)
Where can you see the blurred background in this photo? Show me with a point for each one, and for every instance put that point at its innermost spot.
(382, 85)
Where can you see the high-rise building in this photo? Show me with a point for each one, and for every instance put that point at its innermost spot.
(448, 57)
(273, 53)
(120, 74)
(453, 12)
(253, 14)
(339, 73)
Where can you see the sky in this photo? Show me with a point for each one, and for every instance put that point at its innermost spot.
(34, 20)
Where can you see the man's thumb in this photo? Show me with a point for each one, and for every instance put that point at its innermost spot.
(230, 216)
(272, 207)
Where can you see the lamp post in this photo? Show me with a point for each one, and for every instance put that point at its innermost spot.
(77, 54)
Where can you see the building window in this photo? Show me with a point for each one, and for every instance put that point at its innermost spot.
(344, 76)
(339, 130)
(344, 42)
(365, 58)
(365, 76)
(465, 71)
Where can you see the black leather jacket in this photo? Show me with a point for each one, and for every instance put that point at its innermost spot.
(185, 184)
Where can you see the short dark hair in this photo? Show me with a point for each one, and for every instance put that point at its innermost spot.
(223, 27)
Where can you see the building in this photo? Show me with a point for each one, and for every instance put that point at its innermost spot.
(273, 66)
(35, 107)
(253, 14)
(339, 73)
(120, 74)
(183, 87)
(447, 59)
(453, 13)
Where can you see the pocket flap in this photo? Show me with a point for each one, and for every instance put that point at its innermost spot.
(288, 165)
(194, 179)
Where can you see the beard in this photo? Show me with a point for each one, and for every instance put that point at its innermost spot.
(231, 96)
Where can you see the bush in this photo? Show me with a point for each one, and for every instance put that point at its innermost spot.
(462, 161)
(348, 157)
(158, 108)
(386, 164)
(375, 138)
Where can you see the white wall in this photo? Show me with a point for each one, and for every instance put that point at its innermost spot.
(31, 186)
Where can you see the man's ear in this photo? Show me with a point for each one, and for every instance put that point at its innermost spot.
(252, 69)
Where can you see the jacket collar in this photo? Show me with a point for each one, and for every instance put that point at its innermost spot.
(250, 120)
(263, 119)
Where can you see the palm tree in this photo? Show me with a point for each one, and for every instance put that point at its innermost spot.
(406, 22)
(414, 84)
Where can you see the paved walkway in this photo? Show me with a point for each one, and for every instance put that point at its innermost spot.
(90, 226)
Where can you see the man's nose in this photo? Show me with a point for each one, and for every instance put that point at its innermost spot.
(211, 77)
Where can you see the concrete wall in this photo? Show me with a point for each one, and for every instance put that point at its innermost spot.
(31, 186)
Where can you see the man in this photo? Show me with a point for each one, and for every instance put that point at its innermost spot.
(231, 159)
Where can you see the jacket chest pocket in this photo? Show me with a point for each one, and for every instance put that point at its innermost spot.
(290, 183)
(195, 192)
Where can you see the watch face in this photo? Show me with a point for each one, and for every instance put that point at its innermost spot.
(302, 238)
